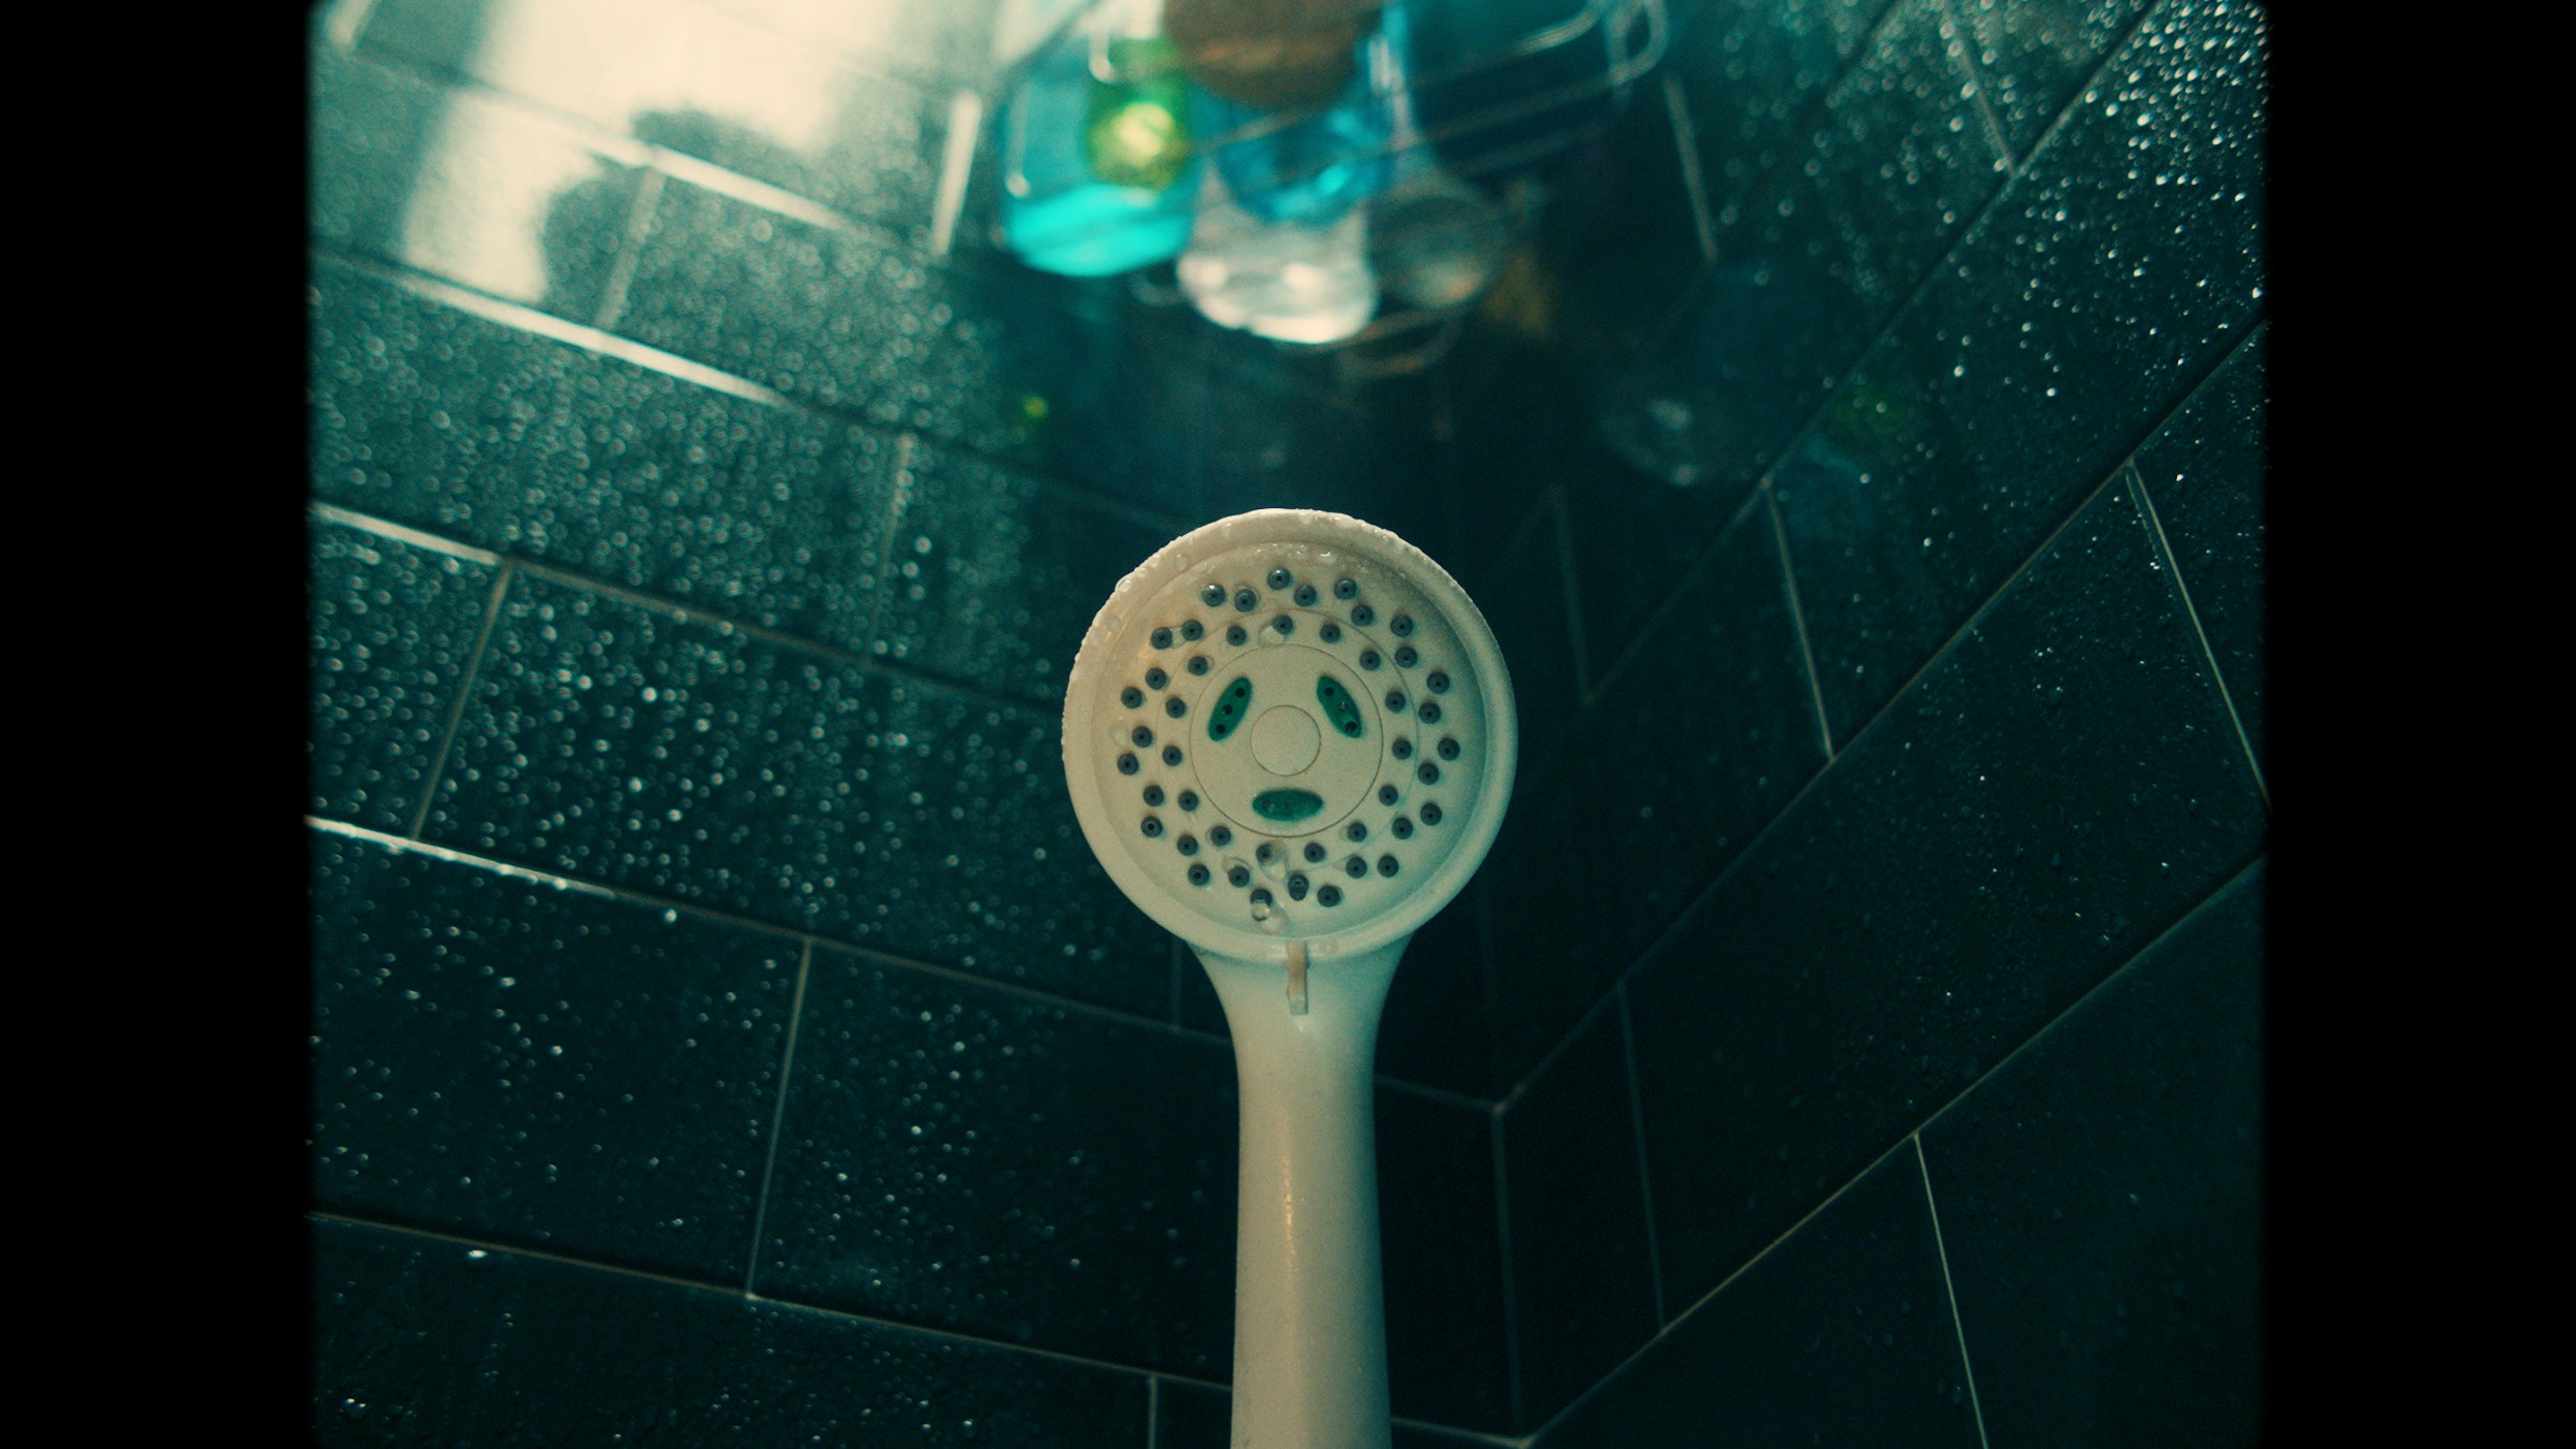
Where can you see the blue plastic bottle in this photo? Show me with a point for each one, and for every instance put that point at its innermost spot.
(1097, 175)
(1319, 166)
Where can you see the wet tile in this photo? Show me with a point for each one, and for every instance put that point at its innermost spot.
(1437, 1226)
(840, 316)
(391, 629)
(718, 86)
(1749, 69)
(2101, 1197)
(417, 1340)
(1815, 257)
(1688, 753)
(995, 576)
(1840, 1335)
(478, 431)
(1582, 1284)
(612, 742)
(1072, 377)
(2035, 54)
(2058, 787)
(972, 1159)
(519, 1063)
(2203, 470)
(2107, 281)
(466, 186)
(1198, 1416)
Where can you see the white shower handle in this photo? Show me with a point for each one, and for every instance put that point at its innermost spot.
(1309, 1294)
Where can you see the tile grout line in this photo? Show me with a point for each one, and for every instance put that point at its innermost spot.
(898, 503)
(1813, 781)
(1802, 123)
(1694, 185)
(1798, 617)
(1553, 506)
(679, 611)
(1581, 1024)
(2173, 568)
(2252, 863)
(630, 249)
(1949, 1289)
(2017, 167)
(956, 162)
(621, 348)
(1703, 1300)
(625, 895)
(1637, 1127)
(464, 692)
(1911, 1136)
(494, 1245)
(1655, 617)
(1503, 1244)
(625, 144)
(1823, 408)
(778, 1116)
(1965, 37)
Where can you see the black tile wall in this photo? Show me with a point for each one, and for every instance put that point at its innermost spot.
(1690, 749)
(2059, 786)
(1439, 1230)
(1815, 257)
(2034, 56)
(461, 425)
(1748, 69)
(2110, 277)
(833, 313)
(1850, 761)
(1841, 1334)
(392, 627)
(1583, 1290)
(421, 1340)
(1810, 262)
(1073, 376)
(994, 577)
(520, 1063)
(2101, 1195)
(612, 741)
(2203, 476)
(968, 1158)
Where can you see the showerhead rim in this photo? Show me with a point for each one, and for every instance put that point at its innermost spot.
(1088, 678)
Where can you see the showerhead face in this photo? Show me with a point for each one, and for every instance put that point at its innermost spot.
(1289, 726)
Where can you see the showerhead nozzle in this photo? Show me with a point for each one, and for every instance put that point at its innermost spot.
(1289, 727)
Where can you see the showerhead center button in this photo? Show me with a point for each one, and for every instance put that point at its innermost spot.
(1285, 740)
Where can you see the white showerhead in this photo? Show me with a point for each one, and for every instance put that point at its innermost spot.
(1289, 726)
(1290, 739)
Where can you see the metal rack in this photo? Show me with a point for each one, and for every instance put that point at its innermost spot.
(1634, 35)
